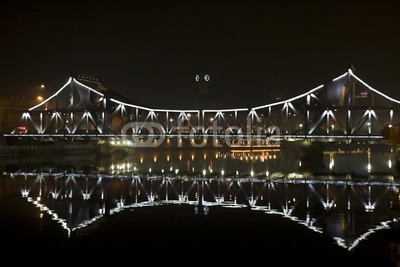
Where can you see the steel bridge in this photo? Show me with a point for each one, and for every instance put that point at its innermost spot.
(346, 108)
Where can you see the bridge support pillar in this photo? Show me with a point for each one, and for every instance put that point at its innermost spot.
(311, 156)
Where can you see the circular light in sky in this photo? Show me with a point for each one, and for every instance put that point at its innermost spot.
(206, 77)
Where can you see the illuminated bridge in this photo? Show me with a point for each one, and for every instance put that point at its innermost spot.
(346, 108)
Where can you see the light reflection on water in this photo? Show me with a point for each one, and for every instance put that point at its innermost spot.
(344, 191)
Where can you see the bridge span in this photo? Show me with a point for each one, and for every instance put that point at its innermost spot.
(345, 109)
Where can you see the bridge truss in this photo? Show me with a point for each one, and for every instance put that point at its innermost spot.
(346, 108)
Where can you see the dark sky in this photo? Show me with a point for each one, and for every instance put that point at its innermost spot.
(150, 51)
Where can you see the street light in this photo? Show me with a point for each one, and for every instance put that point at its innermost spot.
(40, 98)
(44, 89)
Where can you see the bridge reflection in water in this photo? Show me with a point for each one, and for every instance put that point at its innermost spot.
(344, 204)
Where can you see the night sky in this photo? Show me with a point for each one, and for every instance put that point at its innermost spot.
(151, 51)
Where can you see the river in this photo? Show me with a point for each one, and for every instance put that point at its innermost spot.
(295, 198)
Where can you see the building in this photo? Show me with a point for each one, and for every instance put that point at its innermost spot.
(11, 110)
